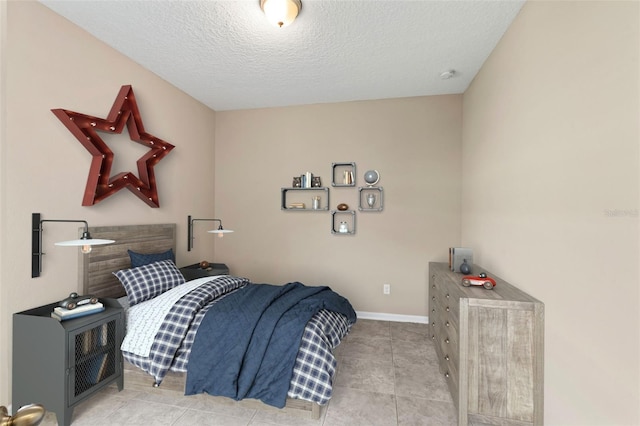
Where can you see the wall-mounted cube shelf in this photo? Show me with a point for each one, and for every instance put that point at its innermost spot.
(343, 174)
(346, 216)
(370, 199)
(293, 197)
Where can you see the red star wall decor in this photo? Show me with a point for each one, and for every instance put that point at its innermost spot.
(100, 183)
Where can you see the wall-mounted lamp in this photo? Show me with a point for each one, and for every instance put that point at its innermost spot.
(220, 231)
(281, 12)
(85, 242)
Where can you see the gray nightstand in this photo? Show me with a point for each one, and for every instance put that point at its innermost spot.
(194, 271)
(61, 363)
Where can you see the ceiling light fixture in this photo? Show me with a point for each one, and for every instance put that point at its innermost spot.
(281, 12)
(446, 75)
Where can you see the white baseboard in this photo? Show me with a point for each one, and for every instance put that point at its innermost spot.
(393, 317)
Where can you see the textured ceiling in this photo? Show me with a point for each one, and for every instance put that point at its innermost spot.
(225, 53)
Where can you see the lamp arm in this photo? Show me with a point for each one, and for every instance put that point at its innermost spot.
(86, 225)
(38, 252)
(190, 236)
(210, 220)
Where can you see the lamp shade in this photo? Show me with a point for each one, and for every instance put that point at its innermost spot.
(89, 242)
(281, 12)
(84, 243)
(220, 232)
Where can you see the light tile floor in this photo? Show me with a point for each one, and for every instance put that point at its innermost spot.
(387, 375)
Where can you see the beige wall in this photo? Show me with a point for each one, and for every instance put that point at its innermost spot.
(414, 144)
(547, 154)
(550, 194)
(50, 63)
(5, 363)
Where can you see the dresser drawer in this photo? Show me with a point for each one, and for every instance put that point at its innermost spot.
(449, 367)
(446, 305)
(446, 311)
(447, 297)
(447, 341)
(451, 377)
(445, 329)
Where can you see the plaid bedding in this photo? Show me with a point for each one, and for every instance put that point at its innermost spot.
(315, 364)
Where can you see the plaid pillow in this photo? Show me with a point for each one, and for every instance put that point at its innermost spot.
(140, 259)
(148, 281)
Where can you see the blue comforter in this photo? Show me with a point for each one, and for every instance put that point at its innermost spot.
(247, 343)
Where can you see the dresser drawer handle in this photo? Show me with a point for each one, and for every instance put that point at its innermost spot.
(433, 337)
(447, 309)
(433, 310)
(433, 298)
(447, 296)
(447, 341)
(433, 286)
(446, 374)
(447, 324)
(446, 357)
(433, 324)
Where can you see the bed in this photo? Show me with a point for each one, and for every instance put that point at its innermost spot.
(104, 273)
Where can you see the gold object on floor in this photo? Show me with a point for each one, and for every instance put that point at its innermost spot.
(29, 415)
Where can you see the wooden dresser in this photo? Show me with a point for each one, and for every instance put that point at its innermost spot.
(490, 345)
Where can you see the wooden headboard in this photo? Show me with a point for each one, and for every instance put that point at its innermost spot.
(95, 268)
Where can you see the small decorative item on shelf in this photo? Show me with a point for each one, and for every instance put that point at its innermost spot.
(62, 314)
(371, 200)
(204, 264)
(74, 300)
(371, 177)
(296, 206)
(315, 202)
(344, 228)
(316, 182)
(348, 177)
(297, 182)
(306, 179)
(479, 280)
(465, 268)
(342, 207)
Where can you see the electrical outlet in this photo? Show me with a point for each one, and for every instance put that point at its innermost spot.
(386, 288)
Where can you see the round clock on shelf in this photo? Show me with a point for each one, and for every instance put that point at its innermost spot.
(371, 177)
